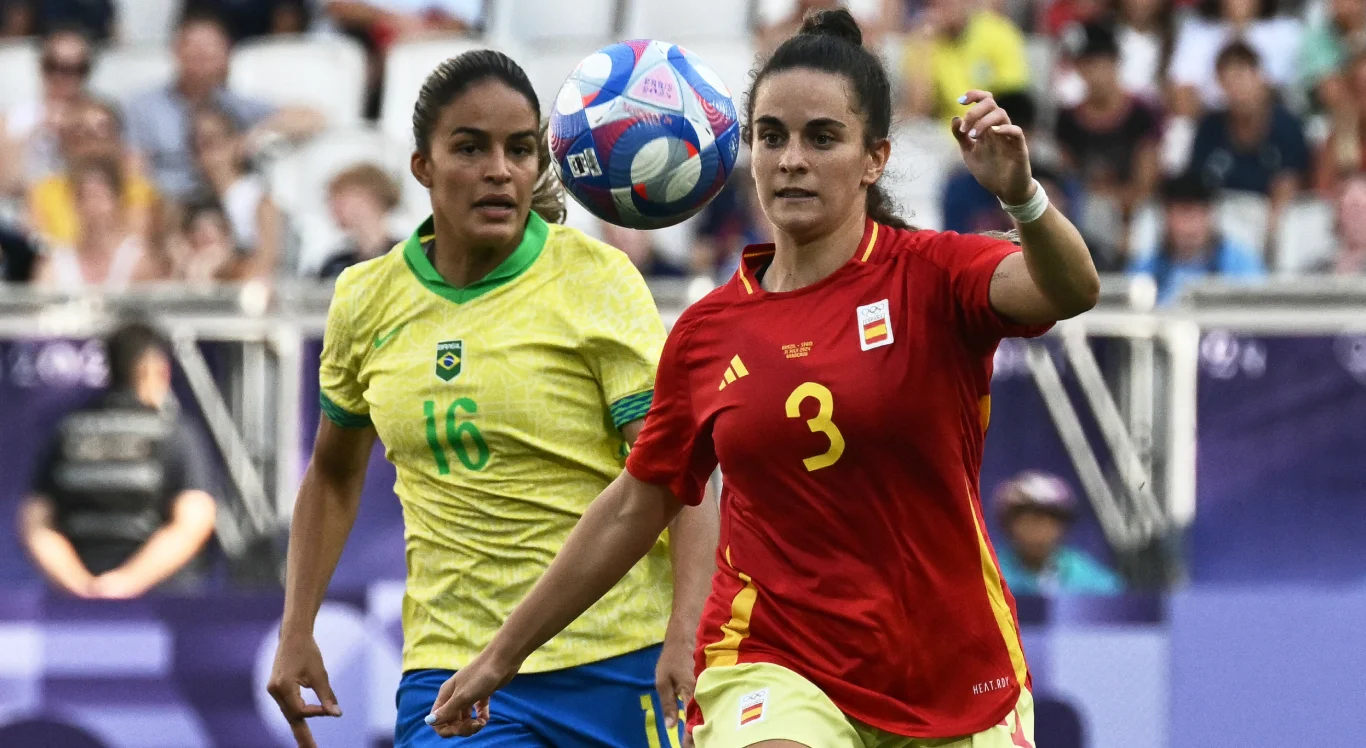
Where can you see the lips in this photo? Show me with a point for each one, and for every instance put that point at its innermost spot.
(794, 193)
(496, 201)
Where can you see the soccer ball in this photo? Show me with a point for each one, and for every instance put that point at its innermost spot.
(644, 134)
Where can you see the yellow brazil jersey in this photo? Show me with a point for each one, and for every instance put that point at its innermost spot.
(500, 405)
(989, 54)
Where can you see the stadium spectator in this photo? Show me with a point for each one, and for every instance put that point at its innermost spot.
(1327, 48)
(42, 17)
(379, 24)
(92, 130)
(203, 252)
(1146, 31)
(17, 254)
(120, 503)
(957, 47)
(256, 223)
(159, 120)
(1344, 152)
(107, 253)
(1219, 23)
(1035, 510)
(1350, 228)
(730, 222)
(1110, 140)
(361, 198)
(1192, 247)
(247, 19)
(30, 131)
(1255, 145)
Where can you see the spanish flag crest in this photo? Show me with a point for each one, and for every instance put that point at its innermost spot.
(874, 325)
(752, 707)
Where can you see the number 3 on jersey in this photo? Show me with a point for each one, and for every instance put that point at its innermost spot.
(820, 424)
(456, 436)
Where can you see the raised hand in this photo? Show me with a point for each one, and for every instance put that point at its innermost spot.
(993, 149)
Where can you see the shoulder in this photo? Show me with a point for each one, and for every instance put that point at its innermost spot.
(572, 247)
(358, 286)
(149, 102)
(996, 24)
(705, 310)
(942, 250)
(1236, 258)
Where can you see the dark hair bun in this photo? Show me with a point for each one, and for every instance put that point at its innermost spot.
(838, 23)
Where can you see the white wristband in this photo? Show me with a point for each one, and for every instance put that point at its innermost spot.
(1031, 209)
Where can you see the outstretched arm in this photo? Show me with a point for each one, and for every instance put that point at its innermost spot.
(1054, 277)
(618, 529)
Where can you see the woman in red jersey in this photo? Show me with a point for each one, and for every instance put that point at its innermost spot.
(841, 381)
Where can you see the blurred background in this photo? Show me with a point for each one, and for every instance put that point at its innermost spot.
(1176, 481)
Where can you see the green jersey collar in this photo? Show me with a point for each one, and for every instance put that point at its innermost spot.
(533, 241)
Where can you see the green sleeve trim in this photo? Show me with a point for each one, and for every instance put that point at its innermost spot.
(632, 407)
(341, 416)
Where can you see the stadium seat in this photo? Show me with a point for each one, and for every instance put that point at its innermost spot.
(326, 74)
(146, 21)
(122, 72)
(549, 68)
(923, 153)
(299, 180)
(671, 20)
(538, 21)
(1305, 237)
(405, 69)
(20, 72)
(1242, 218)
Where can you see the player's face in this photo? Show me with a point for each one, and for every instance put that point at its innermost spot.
(1190, 229)
(811, 168)
(482, 167)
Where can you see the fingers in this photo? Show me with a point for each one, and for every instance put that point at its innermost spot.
(982, 107)
(303, 737)
(451, 713)
(668, 699)
(960, 134)
(323, 689)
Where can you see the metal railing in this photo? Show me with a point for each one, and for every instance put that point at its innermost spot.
(1146, 408)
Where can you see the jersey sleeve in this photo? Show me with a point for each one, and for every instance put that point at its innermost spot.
(672, 450)
(622, 339)
(340, 392)
(971, 260)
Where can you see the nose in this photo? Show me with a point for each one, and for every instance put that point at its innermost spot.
(793, 157)
(499, 167)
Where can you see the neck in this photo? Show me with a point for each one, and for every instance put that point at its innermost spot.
(194, 91)
(149, 394)
(461, 264)
(798, 264)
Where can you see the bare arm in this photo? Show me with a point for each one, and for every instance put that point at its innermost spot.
(1052, 279)
(51, 552)
(324, 512)
(693, 535)
(166, 552)
(292, 122)
(263, 261)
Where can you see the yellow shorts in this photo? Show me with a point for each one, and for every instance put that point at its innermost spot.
(750, 703)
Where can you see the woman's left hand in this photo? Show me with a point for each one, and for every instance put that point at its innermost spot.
(993, 149)
(674, 678)
(462, 705)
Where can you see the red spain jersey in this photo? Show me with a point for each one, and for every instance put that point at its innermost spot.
(848, 420)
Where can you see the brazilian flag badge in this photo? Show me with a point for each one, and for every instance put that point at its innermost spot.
(448, 355)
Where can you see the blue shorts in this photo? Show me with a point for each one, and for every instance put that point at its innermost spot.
(606, 704)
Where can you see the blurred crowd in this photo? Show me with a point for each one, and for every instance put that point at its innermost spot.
(1185, 138)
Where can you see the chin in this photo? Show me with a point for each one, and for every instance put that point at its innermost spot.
(495, 233)
(798, 224)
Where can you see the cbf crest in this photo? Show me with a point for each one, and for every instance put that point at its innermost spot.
(448, 359)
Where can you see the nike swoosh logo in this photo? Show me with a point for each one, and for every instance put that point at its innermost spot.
(380, 340)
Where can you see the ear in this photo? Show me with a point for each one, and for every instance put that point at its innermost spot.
(421, 166)
(876, 162)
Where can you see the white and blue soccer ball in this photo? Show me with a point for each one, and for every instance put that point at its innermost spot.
(644, 134)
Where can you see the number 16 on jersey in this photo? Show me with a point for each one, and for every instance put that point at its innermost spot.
(463, 437)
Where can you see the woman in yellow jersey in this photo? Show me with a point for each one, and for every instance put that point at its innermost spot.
(505, 362)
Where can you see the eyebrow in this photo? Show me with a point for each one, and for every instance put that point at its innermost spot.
(772, 121)
(476, 132)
